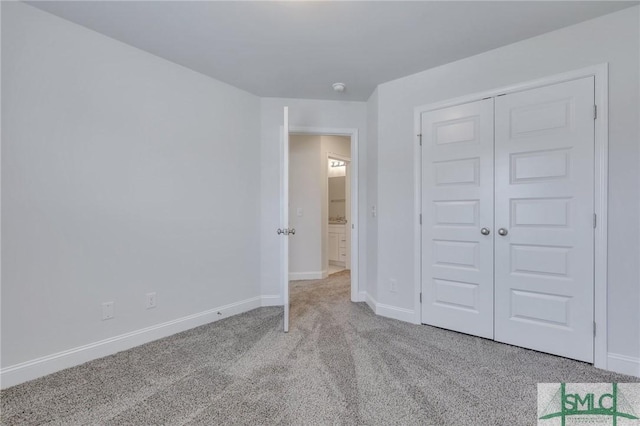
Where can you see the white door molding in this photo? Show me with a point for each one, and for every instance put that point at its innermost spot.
(601, 77)
(353, 134)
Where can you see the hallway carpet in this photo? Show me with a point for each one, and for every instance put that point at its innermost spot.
(339, 364)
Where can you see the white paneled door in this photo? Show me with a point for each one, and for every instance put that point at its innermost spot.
(508, 218)
(544, 207)
(457, 209)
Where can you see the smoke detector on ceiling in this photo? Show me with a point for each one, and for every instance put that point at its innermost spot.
(339, 87)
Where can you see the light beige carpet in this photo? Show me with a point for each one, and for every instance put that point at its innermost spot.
(339, 364)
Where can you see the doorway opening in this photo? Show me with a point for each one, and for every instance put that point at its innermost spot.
(286, 208)
(320, 207)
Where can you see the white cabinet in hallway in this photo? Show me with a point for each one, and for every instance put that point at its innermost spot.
(337, 244)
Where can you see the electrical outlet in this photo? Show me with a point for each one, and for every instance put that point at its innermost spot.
(151, 300)
(393, 286)
(107, 310)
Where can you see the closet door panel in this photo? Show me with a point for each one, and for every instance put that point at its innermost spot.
(457, 202)
(544, 174)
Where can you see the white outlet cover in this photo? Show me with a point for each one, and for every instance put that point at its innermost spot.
(107, 310)
(151, 300)
(299, 212)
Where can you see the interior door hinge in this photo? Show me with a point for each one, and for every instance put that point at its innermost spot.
(595, 220)
(420, 297)
(420, 218)
(595, 112)
(420, 136)
(594, 329)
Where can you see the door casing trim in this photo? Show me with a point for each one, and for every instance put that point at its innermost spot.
(600, 73)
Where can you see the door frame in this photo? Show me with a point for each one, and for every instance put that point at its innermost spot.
(353, 135)
(600, 73)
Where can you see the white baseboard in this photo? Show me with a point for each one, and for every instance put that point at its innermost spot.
(313, 275)
(406, 315)
(29, 370)
(271, 300)
(623, 364)
(371, 302)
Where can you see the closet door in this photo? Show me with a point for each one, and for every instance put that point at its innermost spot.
(457, 216)
(544, 173)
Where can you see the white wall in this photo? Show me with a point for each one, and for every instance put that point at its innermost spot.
(115, 182)
(305, 192)
(612, 38)
(302, 113)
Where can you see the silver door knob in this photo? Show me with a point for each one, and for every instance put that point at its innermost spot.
(485, 231)
(280, 231)
(292, 231)
(502, 231)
